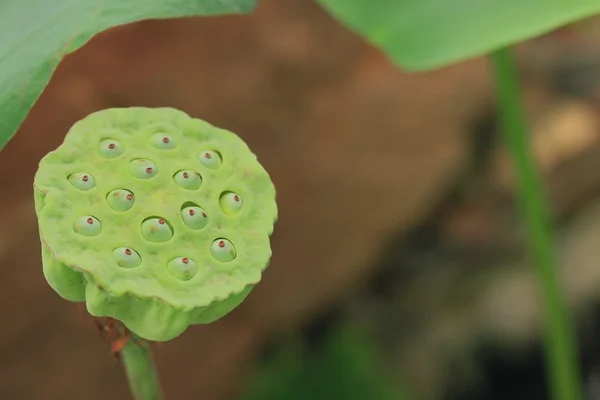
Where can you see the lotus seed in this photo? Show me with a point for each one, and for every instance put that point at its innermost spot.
(194, 217)
(223, 250)
(110, 148)
(231, 203)
(182, 268)
(157, 229)
(143, 168)
(82, 180)
(87, 226)
(210, 159)
(126, 257)
(162, 141)
(188, 179)
(120, 199)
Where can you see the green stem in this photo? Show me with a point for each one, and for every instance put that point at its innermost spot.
(140, 370)
(560, 342)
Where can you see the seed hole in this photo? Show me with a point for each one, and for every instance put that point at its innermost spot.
(162, 141)
(194, 216)
(231, 203)
(82, 180)
(126, 257)
(187, 179)
(182, 268)
(87, 225)
(210, 158)
(143, 168)
(110, 148)
(223, 250)
(156, 229)
(120, 199)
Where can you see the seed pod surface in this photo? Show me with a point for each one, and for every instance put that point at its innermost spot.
(140, 243)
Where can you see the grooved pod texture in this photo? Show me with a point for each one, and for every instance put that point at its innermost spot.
(153, 233)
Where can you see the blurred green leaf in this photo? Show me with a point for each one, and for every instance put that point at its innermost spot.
(36, 34)
(346, 368)
(427, 34)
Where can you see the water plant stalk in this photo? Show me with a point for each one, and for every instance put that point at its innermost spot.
(140, 370)
(560, 340)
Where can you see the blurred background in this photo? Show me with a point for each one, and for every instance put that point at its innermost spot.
(400, 268)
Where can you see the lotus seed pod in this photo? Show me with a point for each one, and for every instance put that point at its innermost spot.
(82, 180)
(148, 246)
(188, 179)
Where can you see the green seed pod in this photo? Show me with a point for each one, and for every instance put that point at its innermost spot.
(175, 258)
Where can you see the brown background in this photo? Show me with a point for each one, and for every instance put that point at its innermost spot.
(358, 151)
